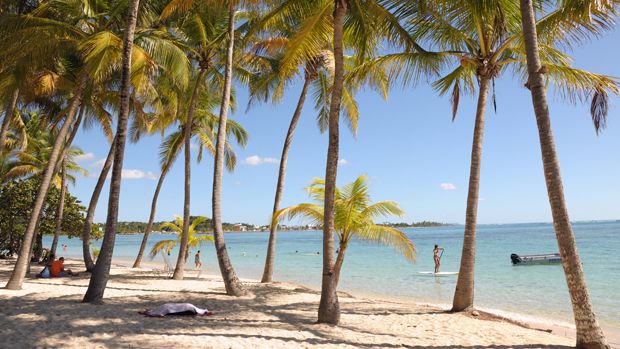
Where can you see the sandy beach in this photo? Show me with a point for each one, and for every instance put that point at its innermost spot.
(48, 313)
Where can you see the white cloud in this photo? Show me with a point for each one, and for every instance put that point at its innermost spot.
(137, 174)
(256, 160)
(85, 157)
(98, 163)
(342, 162)
(447, 186)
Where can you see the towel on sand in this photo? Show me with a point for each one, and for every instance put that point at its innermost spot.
(175, 309)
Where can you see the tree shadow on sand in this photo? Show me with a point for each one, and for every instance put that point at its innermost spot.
(117, 323)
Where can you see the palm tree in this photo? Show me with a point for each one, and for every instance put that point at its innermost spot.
(203, 128)
(231, 282)
(368, 22)
(589, 333)
(33, 158)
(354, 216)
(46, 33)
(61, 207)
(482, 39)
(8, 114)
(99, 278)
(22, 263)
(193, 239)
(92, 205)
(268, 55)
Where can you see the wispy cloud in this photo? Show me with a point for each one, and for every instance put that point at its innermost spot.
(98, 163)
(256, 160)
(447, 186)
(342, 162)
(137, 174)
(85, 157)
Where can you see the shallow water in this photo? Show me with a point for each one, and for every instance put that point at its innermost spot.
(374, 270)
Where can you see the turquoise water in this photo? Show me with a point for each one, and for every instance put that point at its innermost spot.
(374, 270)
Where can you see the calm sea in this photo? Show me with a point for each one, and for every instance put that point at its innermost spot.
(374, 270)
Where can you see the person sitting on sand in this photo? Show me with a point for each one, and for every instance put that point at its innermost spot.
(57, 269)
(47, 261)
(197, 260)
(437, 257)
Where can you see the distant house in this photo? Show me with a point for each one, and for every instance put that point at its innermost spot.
(239, 227)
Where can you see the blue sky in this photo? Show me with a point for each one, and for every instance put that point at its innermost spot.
(410, 150)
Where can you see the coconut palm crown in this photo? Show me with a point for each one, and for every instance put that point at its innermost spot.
(194, 240)
(354, 216)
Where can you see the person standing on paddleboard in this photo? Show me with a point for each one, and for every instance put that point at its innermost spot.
(437, 257)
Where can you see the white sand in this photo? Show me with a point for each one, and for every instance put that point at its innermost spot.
(49, 313)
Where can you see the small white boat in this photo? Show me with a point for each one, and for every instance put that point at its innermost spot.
(536, 259)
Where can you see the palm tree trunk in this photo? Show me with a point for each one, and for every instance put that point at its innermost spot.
(329, 308)
(464, 293)
(271, 247)
(149, 226)
(38, 247)
(22, 263)
(231, 282)
(101, 272)
(339, 261)
(589, 333)
(187, 135)
(92, 205)
(10, 108)
(61, 206)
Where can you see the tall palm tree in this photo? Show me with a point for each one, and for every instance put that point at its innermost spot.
(99, 278)
(481, 40)
(231, 282)
(204, 130)
(33, 158)
(193, 239)
(353, 218)
(272, 76)
(22, 263)
(58, 30)
(61, 207)
(367, 23)
(92, 205)
(589, 333)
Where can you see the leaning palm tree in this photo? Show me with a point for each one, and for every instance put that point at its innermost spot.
(32, 160)
(364, 24)
(268, 83)
(354, 217)
(99, 278)
(482, 40)
(193, 239)
(64, 31)
(204, 131)
(231, 281)
(587, 16)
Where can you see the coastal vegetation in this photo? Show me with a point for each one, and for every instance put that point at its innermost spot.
(172, 67)
(16, 198)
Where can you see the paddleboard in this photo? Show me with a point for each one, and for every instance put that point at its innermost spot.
(441, 273)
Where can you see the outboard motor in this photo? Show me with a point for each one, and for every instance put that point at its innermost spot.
(515, 258)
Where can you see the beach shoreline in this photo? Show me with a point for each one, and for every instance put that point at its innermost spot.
(555, 326)
(281, 314)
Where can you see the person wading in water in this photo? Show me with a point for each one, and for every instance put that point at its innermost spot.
(437, 257)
